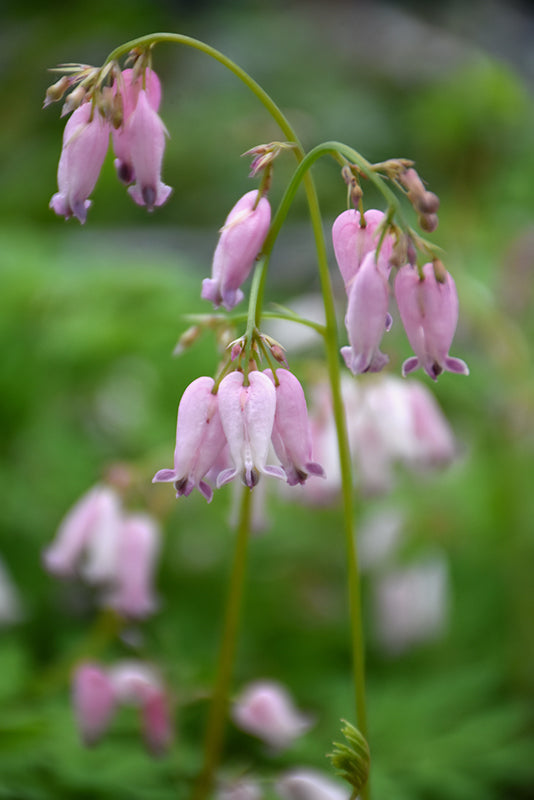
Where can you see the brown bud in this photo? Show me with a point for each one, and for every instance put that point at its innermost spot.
(428, 203)
(428, 222)
(278, 353)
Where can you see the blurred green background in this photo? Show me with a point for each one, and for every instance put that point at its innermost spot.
(89, 319)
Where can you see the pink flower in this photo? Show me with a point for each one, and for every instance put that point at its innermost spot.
(266, 710)
(93, 700)
(429, 313)
(131, 592)
(241, 240)
(94, 518)
(144, 136)
(129, 85)
(367, 317)
(199, 440)
(291, 434)
(97, 692)
(352, 242)
(247, 416)
(85, 142)
(137, 684)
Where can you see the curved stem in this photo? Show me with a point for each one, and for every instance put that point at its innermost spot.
(215, 725)
(178, 38)
(219, 704)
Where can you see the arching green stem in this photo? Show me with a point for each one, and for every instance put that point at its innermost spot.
(216, 724)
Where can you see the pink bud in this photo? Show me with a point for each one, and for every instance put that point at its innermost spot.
(129, 85)
(93, 700)
(247, 416)
(266, 710)
(429, 313)
(199, 439)
(94, 517)
(291, 434)
(144, 134)
(352, 242)
(367, 317)
(132, 593)
(85, 142)
(240, 242)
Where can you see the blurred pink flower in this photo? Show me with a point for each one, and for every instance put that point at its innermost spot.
(131, 592)
(94, 701)
(411, 604)
(91, 523)
(308, 784)
(266, 710)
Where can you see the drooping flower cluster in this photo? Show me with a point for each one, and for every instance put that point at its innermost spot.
(121, 103)
(97, 693)
(366, 247)
(110, 549)
(225, 432)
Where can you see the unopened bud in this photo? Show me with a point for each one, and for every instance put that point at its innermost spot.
(428, 222)
(56, 91)
(347, 174)
(187, 339)
(277, 352)
(236, 351)
(440, 272)
(74, 100)
(428, 203)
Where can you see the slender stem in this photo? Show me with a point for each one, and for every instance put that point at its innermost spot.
(216, 721)
(219, 704)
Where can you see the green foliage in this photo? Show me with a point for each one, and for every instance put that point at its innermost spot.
(88, 320)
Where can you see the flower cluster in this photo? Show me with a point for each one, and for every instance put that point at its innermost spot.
(110, 549)
(97, 692)
(367, 247)
(225, 431)
(120, 103)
